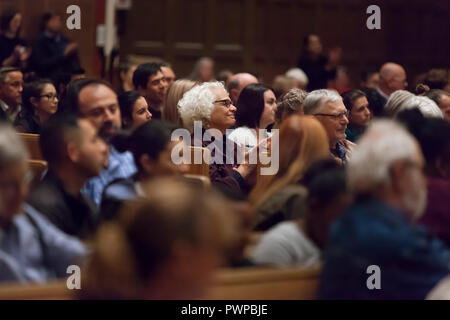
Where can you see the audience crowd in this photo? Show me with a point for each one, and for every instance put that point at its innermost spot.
(363, 173)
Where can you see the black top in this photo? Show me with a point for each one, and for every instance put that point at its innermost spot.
(74, 215)
(27, 123)
(48, 58)
(318, 76)
(7, 46)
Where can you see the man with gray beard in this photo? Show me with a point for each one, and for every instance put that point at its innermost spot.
(375, 249)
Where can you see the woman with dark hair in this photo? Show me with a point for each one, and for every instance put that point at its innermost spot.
(151, 146)
(359, 114)
(13, 50)
(134, 109)
(317, 67)
(255, 110)
(39, 102)
(441, 97)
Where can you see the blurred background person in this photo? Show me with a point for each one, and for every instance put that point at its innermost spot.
(174, 94)
(151, 147)
(203, 70)
(370, 79)
(14, 51)
(289, 103)
(341, 83)
(168, 73)
(280, 197)
(255, 110)
(133, 109)
(32, 249)
(386, 176)
(402, 100)
(282, 84)
(359, 114)
(54, 54)
(74, 153)
(437, 79)
(433, 136)
(392, 78)
(299, 242)
(159, 248)
(39, 102)
(300, 77)
(150, 82)
(225, 76)
(237, 83)
(440, 97)
(126, 71)
(11, 87)
(317, 67)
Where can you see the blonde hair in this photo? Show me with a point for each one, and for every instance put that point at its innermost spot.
(131, 252)
(302, 140)
(174, 94)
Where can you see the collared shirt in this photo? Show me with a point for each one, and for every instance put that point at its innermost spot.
(121, 165)
(75, 216)
(411, 262)
(33, 249)
(343, 150)
(10, 113)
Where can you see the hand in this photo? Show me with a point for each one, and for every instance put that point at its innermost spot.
(70, 48)
(25, 54)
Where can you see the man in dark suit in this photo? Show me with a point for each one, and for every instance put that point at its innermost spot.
(11, 86)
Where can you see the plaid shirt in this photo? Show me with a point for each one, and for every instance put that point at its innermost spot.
(121, 165)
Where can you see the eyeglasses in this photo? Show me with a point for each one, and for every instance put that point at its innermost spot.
(334, 116)
(225, 102)
(49, 96)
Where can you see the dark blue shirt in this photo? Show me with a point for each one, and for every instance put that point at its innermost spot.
(371, 233)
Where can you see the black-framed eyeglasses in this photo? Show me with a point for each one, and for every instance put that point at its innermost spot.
(334, 116)
(49, 96)
(225, 102)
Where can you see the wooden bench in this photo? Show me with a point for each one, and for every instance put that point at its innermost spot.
(38, 168)
(203, 167)
(32, 143)
(228, 284)
(265, 284)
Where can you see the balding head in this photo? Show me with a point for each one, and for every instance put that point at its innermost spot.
(238, 82)
(392, 78)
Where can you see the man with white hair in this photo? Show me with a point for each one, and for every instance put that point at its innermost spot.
(31, 247)
(375, 250)
(238, 82)
(327, 106)
(392, 78)
(299, 76)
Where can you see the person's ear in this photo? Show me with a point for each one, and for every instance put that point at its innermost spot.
(34, 101)
(398, 180)
(147, 164)
(73, 152)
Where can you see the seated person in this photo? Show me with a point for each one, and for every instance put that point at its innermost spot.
(359, 114)
(379, 228)
(151, 147)
(133, 109)
(280, 196)
(164, 246)
(300, 242)
(39, 102)
(74, 153)
(255, 110)
(32, 249)
(208, 106)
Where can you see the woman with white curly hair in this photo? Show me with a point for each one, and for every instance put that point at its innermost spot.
(210, 104)
(402, 100)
